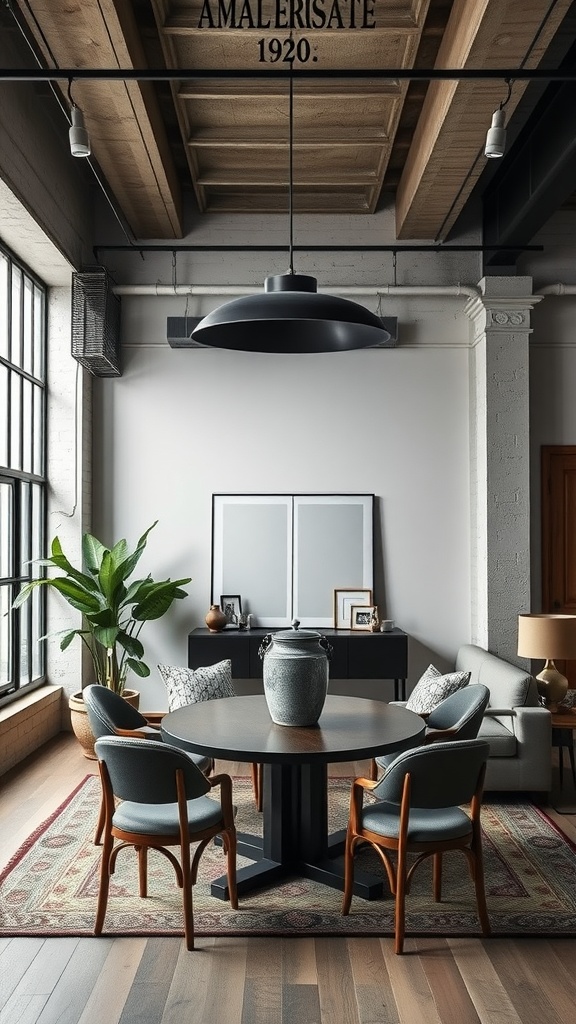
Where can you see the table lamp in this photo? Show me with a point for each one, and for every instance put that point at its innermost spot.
(548, 637)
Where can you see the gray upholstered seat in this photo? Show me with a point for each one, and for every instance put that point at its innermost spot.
(419, 810)
(457, 717)
(164, 802)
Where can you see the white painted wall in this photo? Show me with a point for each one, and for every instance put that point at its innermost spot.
(181, 425)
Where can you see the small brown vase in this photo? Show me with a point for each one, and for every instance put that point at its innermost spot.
(215, 619)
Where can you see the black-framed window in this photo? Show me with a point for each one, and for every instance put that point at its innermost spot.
(22, 471)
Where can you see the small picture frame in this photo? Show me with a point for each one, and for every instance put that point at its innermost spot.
(361, 616)
(344, 600)
(231, 605)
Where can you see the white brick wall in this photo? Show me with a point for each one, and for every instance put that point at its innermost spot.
(69, 475)
(500, 461)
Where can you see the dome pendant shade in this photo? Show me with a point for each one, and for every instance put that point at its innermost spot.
(290, 316)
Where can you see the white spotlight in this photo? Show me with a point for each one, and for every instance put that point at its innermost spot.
(79, 140)
(496, 136)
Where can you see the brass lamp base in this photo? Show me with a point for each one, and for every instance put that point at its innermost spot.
(552, 685)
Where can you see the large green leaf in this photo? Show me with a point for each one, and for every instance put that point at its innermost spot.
(24, 594)
(126, 568)
(106, 617)
(157, 600)
(137, 590)
(92, 553)
(127, 563)
(131, 644)
(61, 562)
(75, 595)
(138, 667)
(68, 638)
(142, 541)
(110, 580)
(106, 635)
(119, 552)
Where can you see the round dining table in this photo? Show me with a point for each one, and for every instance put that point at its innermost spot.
(295, 839)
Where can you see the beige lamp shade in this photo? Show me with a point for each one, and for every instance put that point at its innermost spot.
(547, 636)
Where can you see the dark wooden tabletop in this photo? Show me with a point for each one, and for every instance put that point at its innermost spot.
(240, 729)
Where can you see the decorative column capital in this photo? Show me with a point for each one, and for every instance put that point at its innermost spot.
(504, 305)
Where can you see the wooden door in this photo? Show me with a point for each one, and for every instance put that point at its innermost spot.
(558, 485)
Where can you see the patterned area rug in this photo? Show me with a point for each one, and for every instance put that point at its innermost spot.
(50, 886)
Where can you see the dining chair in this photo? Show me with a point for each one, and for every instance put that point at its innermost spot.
(110, 715)
(186, 686)
(417, 811)
(457, 717)
(163, 802)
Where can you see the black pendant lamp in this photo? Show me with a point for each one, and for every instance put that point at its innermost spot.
(290, 315)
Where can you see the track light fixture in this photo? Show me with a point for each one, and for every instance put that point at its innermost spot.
(496, 135)
(79, 139)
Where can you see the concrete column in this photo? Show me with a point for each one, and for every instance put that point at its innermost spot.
(500, 461)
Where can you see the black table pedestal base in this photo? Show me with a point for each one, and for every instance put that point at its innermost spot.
(296, 840)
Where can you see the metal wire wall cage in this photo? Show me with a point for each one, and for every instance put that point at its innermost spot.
(96, 323)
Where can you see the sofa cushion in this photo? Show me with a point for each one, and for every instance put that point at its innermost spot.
(510, 686)
(192, 685)
(433, 687)
(501, 739)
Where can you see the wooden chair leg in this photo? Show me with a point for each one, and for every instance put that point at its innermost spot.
(104, 884)
(437, 877)
(373, 774)
(142, 852)
(231, 869)
(348, 874)
(100, 825)
(400, 904)
(187, 896)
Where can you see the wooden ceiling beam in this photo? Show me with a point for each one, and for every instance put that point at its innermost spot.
(126, 129)
(357, 113)
(446, 157)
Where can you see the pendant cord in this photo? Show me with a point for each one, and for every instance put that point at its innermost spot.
(291, 172)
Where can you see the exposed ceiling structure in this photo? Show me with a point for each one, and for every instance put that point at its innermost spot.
(362, 140)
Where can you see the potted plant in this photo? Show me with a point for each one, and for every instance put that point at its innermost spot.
(114, 609)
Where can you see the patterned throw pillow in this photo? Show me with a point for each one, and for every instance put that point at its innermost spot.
(191, 685)
(433, 687)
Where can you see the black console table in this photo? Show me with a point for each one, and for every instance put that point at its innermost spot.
(356, 654)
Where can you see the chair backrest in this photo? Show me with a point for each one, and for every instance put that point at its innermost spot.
(462, 711)
(441, 774)
(145, 772)
(107, 711)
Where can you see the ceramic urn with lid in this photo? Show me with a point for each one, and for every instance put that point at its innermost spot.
(295, 673)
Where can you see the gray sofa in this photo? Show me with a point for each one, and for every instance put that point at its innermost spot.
(516, 726)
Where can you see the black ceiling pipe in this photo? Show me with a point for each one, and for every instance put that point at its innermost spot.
(186, 75)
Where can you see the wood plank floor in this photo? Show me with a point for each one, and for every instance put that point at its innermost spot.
(262, 980)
